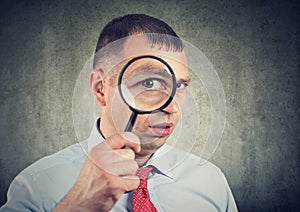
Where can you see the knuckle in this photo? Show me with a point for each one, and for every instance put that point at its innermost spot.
(110, 183)
(99, 158)
(135, 167)
(132, 166)
(112, 195)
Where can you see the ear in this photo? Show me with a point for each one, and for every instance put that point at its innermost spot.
(96, 86)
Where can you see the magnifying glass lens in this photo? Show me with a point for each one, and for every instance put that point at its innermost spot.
(146, 84)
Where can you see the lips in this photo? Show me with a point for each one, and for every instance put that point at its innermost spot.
(162, 129)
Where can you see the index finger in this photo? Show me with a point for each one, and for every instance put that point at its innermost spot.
(127, 139)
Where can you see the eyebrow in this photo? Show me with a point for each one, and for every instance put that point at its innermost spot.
(149, 68)
(161, 71)
(184, 80)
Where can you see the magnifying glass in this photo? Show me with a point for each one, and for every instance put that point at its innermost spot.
(147, 84)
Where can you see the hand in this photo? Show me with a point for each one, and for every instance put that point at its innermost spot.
(107, 173)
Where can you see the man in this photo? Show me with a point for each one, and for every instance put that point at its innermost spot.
(105, 178)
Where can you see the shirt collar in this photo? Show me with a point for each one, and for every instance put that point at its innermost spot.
(164, 159)
(161, 162)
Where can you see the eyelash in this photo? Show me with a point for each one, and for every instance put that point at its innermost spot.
(177, 85)
(153, 79)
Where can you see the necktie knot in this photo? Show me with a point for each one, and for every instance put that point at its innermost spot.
(144, 172)
(141, 199)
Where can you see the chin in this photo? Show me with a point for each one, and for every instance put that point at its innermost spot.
(152, 143)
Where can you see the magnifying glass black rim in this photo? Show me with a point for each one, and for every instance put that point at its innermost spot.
(173, 80)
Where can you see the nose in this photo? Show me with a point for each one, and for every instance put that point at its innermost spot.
(173, 107)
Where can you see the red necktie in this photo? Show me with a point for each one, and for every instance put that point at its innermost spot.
(141, 199)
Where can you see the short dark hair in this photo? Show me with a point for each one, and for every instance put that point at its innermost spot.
(157, 32)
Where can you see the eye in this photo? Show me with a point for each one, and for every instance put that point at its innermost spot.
(181, 85)
(152, 84)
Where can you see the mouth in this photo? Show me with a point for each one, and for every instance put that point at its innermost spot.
(162, 129)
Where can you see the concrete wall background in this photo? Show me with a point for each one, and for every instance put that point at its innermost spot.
(254, 46)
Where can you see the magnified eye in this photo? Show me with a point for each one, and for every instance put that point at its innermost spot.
(152, 84)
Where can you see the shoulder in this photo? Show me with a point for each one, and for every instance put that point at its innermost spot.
(70, 155)
(205, 180)
(44, 183)
(195, 165)
(182, 164)
(205, 175)
(201, 183)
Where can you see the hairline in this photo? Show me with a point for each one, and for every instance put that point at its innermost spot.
(168, 44)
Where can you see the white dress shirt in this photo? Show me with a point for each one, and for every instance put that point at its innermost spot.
(179, 181)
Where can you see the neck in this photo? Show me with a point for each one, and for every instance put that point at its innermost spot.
(142, 159)
(103, 128)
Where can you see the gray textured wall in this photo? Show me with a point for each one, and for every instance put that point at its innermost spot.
(254, 46)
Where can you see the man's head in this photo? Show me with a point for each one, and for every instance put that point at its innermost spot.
(121, 40)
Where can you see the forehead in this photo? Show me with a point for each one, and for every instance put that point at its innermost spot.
(139, 45)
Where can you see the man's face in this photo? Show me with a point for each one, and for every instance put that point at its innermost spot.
(153, 129)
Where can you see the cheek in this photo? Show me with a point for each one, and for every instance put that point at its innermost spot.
(180, 98)
(142, 123)
(119, 111)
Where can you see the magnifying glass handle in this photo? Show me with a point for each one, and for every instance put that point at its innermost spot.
(130, 122)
